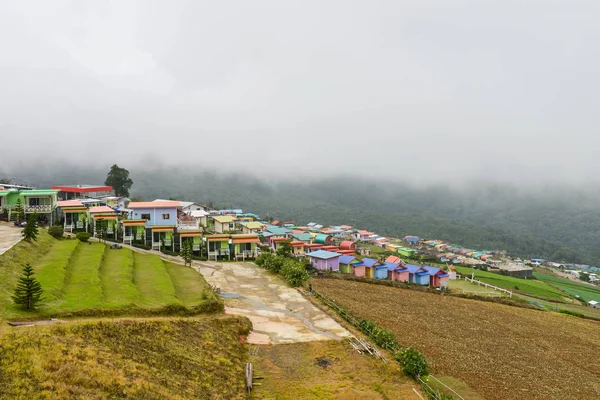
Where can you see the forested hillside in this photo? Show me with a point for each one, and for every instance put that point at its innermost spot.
(562, 225)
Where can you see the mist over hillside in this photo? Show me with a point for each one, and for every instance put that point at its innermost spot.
(562, 224)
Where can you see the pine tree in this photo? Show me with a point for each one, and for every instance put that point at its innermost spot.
(18, 213)
(31, 229)
(186, 252)
(28, 292)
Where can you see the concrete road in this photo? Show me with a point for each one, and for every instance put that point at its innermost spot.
(9, 236)
(279, 314)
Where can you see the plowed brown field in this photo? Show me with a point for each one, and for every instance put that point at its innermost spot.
(502, 352)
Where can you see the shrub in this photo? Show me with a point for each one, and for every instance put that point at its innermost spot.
(83, 236)
(413, 363)
(56, 231)
(385, 339)
(294, 272)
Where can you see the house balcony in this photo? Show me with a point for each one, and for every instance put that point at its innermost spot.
(186, 225)
(44, 209)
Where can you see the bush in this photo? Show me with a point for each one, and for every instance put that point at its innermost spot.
(83, 236)
(294, 272)
(56, 231)
(413, 363)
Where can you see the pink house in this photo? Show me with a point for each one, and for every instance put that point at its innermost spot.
(358, 269)
(399, 273)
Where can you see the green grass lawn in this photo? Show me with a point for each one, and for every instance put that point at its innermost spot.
(83, 289)
(527, 286)
(152, 281)
(52, 268)
(189, 289)
(585, 292)
(77, 277)
(116, 276)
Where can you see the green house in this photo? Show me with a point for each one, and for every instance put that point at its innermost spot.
(43, 202)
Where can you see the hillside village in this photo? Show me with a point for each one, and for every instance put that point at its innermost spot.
(232, 234)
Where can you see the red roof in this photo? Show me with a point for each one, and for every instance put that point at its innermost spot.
(101, 209)
(87, 189)
(153, 204)
(393, 259)
(363, 232)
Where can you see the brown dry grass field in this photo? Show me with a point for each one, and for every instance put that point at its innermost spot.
(327, 370)
(502, 352)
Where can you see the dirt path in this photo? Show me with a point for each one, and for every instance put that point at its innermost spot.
(9, 236)
(279, 314)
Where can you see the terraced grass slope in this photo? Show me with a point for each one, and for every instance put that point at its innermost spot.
(527, 286)
(500, 351)
(90, 279)
(585, 292)
(166, 358)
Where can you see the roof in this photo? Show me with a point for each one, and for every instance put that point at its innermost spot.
(369, 262)
(69, 203)
(101, 209)
(393, 259)
(347, 259)
(252, 225)
(303, 236)
(224, 219)
(199, 213)
(83, 188)
(153, 204)
(38, 192)
(324, 255)
(416, 269)
(363, 232)
(183, 204)
(276, 230)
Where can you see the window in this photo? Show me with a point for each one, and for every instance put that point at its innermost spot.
(231, 227)
(146, 217)
(214, 246)
(38, 201)
(245, 246)
(166, 216)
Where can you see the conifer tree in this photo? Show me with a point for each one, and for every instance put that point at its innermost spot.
(31, 229)
(186, 252)
(18, 213)
(28, 292)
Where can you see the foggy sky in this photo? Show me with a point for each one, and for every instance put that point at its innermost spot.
(423, 90)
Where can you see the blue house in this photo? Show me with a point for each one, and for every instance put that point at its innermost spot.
(374, 268)
(161, 221)
(417, 274)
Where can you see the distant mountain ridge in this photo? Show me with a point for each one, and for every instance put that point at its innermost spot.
(563, 225)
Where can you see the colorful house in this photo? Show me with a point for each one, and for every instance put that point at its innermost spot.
(437, 277)
(325, 260)
(70, 192)
(224, 223)
(160, 220)
(397, 272)
(362, 235)
(358, 268)
(322, 238)
(303, 237)
(298, 248)
(251, 227)
(134, 230)
(219, 245)
(103, 215)
(155, 213)
(193, 236)
(245, 246)
(406, 252)
(42, 202)
(417, 274)
(374, 268)
(348, 245)
(346, 264)
(74, 214)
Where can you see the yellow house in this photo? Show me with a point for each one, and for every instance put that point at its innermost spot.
(251, 227)
(224, 223)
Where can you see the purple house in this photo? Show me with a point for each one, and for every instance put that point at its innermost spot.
(325, 260)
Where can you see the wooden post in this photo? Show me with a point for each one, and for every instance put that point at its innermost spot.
(249, 371)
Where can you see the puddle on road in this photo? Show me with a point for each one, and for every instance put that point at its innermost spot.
(227, 295)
